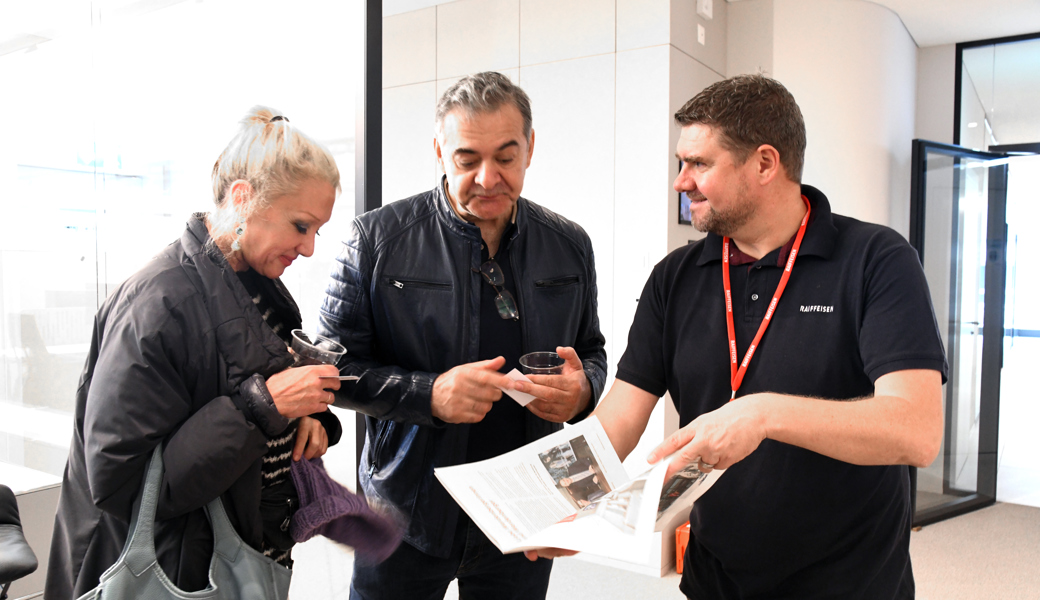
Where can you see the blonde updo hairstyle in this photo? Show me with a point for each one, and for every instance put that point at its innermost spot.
(274, 158)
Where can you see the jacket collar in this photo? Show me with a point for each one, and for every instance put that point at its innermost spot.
(220, 284)
(449, 217)
(820, 235)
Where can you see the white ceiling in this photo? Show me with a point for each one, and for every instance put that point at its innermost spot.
(930, 22)
(937, 22)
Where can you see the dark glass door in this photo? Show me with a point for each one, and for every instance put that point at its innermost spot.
(957, 225)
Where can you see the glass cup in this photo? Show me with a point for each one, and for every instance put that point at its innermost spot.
(314, 349)
(541, 363)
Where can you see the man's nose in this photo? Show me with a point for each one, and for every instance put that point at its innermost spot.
(683, 182)
(488, 175)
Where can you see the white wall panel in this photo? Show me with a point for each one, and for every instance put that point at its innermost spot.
(642, 23)
(553, 30)
(410, 48)
(409, 162)
(572, 171)
(477, 35)
(642, 181)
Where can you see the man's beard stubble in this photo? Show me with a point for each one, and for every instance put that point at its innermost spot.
(726, 223)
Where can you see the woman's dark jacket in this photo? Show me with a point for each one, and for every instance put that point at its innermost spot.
(178, 356)
(405, 301)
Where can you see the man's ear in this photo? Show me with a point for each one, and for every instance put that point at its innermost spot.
(437, 152)
(530, 148)
(767, 164)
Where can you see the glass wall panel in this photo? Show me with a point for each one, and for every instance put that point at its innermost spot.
(112, 122)
(999, 86)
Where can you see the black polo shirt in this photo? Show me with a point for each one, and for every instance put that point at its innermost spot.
(786, 522)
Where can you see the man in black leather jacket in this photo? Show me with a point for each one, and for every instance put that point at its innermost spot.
(435, 297)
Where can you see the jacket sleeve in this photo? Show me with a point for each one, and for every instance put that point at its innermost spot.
(590, 343)
(140, 395)
(333, 428)
(384, 391)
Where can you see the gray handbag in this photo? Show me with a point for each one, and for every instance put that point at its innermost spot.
(236, 570)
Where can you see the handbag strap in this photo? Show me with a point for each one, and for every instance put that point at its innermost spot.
(226, 540)
(139, 552)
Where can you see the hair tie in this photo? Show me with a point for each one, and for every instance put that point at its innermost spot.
(279, 118)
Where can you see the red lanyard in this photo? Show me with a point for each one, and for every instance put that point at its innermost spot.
(737, 374)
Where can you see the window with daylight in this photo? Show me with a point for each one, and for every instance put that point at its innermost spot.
(114, 112)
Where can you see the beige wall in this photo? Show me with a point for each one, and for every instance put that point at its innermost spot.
(851, 66)
(936, 66)
(750, 43)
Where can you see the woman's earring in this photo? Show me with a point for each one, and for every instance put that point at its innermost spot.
(235, 246)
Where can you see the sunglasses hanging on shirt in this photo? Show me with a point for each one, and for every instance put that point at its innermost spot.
(504, 301)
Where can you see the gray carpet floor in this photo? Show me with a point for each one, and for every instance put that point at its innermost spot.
(993, 553)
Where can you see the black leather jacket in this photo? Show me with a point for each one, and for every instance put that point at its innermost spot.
(405, 302)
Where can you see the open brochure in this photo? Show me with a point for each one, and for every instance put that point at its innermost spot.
(569, 490)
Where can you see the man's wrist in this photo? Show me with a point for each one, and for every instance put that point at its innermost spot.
(586, 393)
(762, 408)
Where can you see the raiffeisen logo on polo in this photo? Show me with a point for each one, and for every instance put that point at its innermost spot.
(816, 308)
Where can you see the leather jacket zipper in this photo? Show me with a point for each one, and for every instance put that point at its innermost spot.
(559, 281)
(380, 441)
(401, 283)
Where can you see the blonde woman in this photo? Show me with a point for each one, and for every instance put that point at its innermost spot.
(191, 353)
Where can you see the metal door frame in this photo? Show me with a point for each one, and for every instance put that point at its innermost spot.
(993, 322)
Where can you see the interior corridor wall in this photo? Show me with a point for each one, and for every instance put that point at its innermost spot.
(936, 82)
(852, 67)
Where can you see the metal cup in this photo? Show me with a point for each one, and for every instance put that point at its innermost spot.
(314, 349)
(541, 363)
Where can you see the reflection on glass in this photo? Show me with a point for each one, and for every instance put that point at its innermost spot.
(111, 130)
(955, 262)
(998, 91)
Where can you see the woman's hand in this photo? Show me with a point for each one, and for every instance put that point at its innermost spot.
(311, 439)
(298, 392)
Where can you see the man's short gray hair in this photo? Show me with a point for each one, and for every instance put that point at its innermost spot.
(484, 93)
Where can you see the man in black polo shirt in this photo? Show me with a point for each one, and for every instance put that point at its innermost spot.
(435, 297)
(841, 389)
